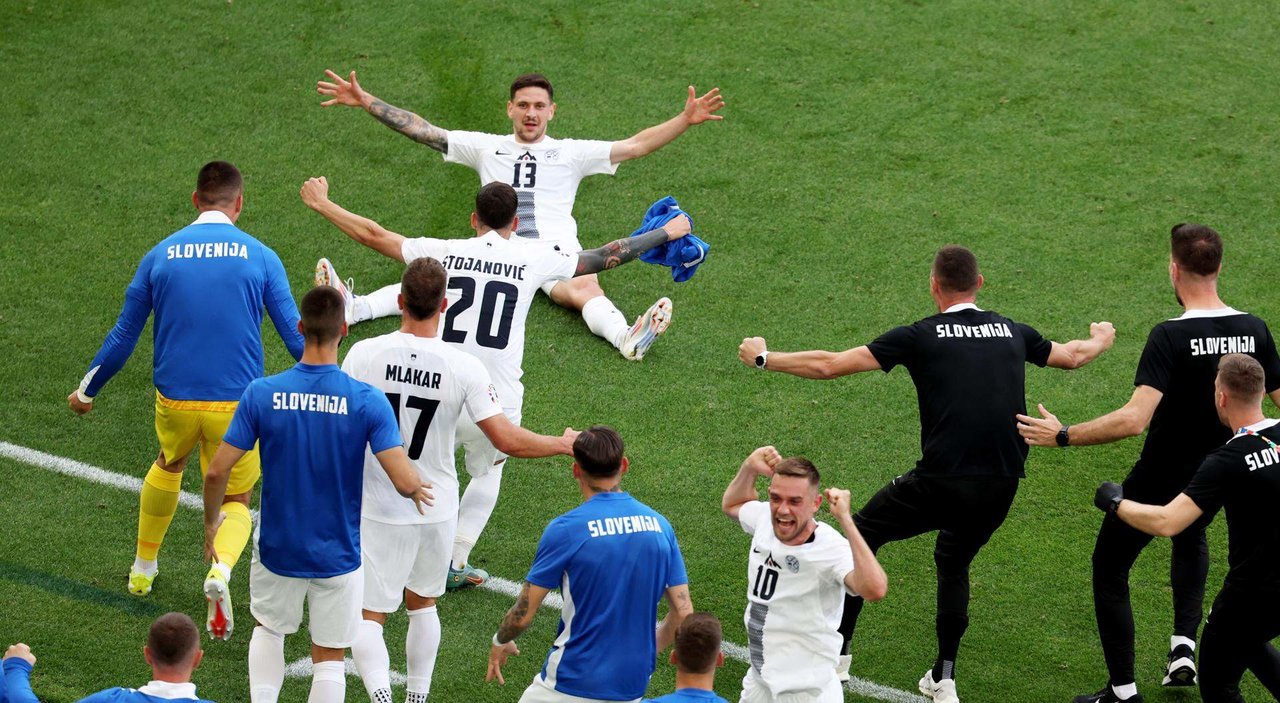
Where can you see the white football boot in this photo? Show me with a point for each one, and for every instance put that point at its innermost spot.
(326, 275)
(943, 691)
(646, 330)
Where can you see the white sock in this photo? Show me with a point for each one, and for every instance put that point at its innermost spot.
(372, 661)
(383, 302)
(605, 320)
(146, 566)
(1126, 691)
(1179, 639)
(359, 310)
(328, 682)
(266, 665)
(474, 510)
(420, 647)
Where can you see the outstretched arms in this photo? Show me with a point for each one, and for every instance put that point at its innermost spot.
(809, 364)
(1079, 352)
(620, 251)
(1128, 421)
(315, 193)
(516, 441)
(696, 111)
(348, 92)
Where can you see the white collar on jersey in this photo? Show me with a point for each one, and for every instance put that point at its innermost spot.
(1216, 312)
(962, 306)
(1258, 426)
(213, 217)
(171, 691)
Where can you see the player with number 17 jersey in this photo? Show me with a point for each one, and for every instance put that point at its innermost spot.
(492, 281)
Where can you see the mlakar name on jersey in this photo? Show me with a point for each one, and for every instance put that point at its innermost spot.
(493, 268)
(623, 525)
(310, 402)
(1266, 457)
(1217, 346)
(417, 377)
(990, 329)
(207, 250)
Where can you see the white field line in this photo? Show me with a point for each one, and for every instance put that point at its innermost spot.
(497, 584)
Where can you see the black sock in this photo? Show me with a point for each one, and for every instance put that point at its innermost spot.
(944, 669)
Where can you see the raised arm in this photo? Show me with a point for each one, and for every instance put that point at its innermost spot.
(516, 621)
(742, 489)
(679, 606)
(696, 111)
(516, 441)
(1130, 420)
(315, 193)
(817, 364)
(620, 251)
(1079, 352)
(348, 92)
(867, 578)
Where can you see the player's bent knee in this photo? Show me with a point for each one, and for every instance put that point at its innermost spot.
(326, 654)
(242, 498)
(173, 467)
(413, 601)
(375, 616)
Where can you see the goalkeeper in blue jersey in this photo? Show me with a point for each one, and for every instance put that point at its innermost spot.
(173, 651)
(207, 284)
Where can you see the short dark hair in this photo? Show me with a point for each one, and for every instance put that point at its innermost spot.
(1242, 376)
(422, 286)
(496, 205)
(219, 183)
(1196, 248)
(532, 80)
(173, 640)
(698, 643)
(599, 451)
(800, 467)
(323, 312)
(956, 269)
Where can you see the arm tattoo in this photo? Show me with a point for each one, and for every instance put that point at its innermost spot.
(618, 252)
(682, 603)
(513, 622)
(410, 125)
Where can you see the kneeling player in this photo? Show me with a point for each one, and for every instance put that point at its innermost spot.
(799, 572)
(430, 385)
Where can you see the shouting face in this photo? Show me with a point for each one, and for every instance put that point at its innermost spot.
(792, 504)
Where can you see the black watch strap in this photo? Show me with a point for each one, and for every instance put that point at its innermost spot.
(1064, 436)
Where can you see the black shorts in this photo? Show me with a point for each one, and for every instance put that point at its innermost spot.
(964, 510)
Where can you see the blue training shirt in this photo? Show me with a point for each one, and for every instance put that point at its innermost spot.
(312, 424)
(612, 558)
(689, 695)
(15, 682)
(207, 283)
(134, 695)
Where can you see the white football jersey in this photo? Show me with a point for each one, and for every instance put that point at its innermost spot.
(430, 384)
(795, 596)
(492, 281)
(545, 176)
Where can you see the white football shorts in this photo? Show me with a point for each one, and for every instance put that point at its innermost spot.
(540, 692)
(333, 604)
(481, 456)
(754, 690)
(397, 557)
(566, 245)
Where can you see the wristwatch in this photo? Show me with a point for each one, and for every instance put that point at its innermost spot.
(1064, 436)
(761, 359)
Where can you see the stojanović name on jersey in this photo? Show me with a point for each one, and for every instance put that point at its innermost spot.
(207, 250)
(988, 329)
(1217, 346)
(418, 377)
(494, 268)
(623, 525)
(310, 402)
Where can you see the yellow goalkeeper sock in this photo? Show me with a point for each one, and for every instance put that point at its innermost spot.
(233, 535)
(156, 507)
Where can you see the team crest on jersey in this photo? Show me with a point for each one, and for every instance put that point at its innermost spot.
(768, 561)
(413, 357)
(526, 156)
(793, 564)
(552, 154)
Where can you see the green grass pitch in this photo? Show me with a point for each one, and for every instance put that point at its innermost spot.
(1059, 140)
